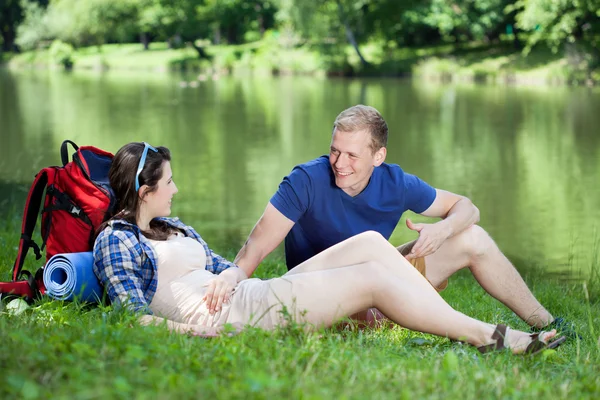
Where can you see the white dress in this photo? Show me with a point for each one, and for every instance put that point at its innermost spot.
(182, 281)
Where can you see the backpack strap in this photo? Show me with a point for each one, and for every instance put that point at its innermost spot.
(64, 152)
(30, 216)
(64, 202)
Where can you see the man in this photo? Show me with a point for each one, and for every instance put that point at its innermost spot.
(327, 200)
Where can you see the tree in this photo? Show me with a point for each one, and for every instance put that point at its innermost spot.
(234, 19)
(344, 20)
(35, 27)
(463, 20)
(92, 22)
(11, 15)
(559, 21)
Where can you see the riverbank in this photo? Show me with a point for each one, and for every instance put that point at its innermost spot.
(66, 350)
(481, 63)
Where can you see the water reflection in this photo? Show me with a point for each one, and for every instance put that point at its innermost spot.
(528, 157)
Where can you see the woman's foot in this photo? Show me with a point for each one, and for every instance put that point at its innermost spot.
(520, 342)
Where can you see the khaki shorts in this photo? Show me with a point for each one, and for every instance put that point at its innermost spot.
(419, 263)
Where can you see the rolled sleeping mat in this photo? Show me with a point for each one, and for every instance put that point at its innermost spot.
(71, 275)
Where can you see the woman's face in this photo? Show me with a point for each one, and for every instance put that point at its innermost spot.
(158, 203)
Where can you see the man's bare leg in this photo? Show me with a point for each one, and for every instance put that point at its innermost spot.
(476, 250)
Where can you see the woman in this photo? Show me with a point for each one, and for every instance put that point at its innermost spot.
(161, 267)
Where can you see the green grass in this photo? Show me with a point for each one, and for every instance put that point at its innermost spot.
(67, 350)
(473, 62)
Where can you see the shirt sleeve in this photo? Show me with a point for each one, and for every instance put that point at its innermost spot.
(419, 195)
(116, 267)
(292, 199)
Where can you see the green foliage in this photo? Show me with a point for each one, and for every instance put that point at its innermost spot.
(237, 21)
(35, 27)
(61, 53)
(165, 19)
(340, 32)
(92, 22)
(559, 21)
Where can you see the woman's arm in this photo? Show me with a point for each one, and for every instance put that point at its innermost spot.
(118, 268)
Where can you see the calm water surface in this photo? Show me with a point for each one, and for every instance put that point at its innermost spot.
(528, 157)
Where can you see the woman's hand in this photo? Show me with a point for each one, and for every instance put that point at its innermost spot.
(219, 289)
(191, 329)
(208, 331)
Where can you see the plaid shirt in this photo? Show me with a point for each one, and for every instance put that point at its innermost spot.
(125, 262)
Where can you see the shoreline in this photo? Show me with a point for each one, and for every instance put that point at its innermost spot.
(495, 64)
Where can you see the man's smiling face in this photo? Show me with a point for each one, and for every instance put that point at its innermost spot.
(353, 160)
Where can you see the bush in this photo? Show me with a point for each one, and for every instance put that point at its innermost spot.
(61, 53)
(34, 30)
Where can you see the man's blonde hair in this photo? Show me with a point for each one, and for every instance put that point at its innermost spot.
(360, 117)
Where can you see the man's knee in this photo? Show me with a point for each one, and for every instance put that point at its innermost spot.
(476, 242)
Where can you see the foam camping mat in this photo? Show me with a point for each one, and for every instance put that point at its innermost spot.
(69, 276)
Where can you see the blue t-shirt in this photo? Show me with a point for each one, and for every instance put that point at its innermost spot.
(325, 215)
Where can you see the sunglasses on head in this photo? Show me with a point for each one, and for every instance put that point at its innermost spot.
(141, 164)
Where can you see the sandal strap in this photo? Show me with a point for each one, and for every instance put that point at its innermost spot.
(536, 344)
(499, 335)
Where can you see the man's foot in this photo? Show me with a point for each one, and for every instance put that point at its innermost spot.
(521, 342)
(565, 328)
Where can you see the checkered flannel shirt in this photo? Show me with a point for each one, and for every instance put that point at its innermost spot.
(125, 263)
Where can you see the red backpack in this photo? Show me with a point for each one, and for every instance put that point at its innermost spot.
(77, 198)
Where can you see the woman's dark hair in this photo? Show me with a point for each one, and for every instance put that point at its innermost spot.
(122, 177)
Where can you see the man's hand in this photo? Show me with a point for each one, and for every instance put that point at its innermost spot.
(219, 289)
(431, 238)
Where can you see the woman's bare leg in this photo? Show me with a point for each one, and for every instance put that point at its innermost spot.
(323, 297)
(364, 247)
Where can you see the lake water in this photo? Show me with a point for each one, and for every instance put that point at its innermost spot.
(528, 157)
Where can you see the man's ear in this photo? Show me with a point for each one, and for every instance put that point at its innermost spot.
(380, 156)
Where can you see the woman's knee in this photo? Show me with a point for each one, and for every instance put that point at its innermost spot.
(372, 239)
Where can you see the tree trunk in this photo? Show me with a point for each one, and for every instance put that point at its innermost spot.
(217, 33)
(200, 50)
(260, 20)
(516, 42)
(349, 34)
(145, 40)
(8, 40)
(232, 34)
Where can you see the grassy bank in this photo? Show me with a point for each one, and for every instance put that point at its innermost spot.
(64, 350)
(476, 62)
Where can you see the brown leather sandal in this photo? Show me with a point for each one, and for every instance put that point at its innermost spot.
(536, 346)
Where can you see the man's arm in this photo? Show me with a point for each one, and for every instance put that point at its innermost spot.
(457, 213)
(268, 233)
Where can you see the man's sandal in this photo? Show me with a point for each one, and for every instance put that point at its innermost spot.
(562, 326)
(536, 346)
